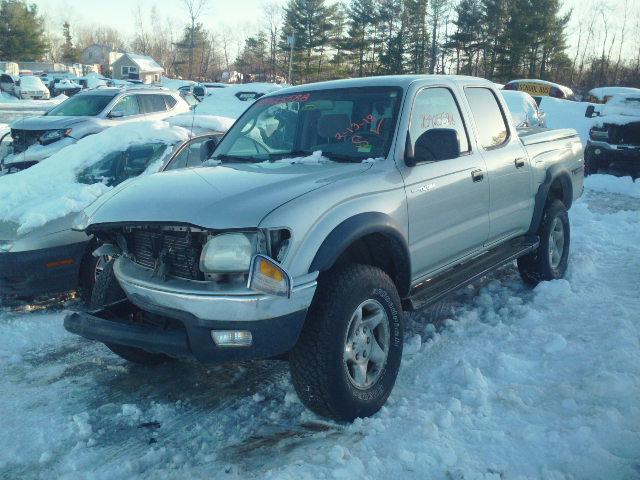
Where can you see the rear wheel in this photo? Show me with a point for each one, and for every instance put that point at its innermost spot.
(550, 260)
(107, 290)
(348, 356)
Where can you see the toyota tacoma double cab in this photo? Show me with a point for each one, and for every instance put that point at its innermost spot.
(326, 212)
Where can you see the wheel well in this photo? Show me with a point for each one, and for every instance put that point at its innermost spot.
(381, 251)
(559, 191)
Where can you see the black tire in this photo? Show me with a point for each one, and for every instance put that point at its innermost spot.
(319, 372)
(538, 266)
(107, 290)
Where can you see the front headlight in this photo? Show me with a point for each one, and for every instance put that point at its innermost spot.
(54, 135)
(229, 253)
(5, 246)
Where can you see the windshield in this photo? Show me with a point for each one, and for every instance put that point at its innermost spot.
(81, 105)
(116, 167)
(350, 124)
(30, 82)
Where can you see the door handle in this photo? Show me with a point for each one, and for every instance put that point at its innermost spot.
(477, 175)
(519, 162)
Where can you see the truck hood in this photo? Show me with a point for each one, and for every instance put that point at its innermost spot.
(47, 123)
(221, 197)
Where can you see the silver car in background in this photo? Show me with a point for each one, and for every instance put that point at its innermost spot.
(87, 113)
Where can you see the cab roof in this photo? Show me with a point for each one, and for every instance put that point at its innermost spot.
(402, 81)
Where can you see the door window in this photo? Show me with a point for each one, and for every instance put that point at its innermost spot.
(127, 105)
(437, 108)
(170, 101)
(489, 118)
(152, 103)
(193, 155)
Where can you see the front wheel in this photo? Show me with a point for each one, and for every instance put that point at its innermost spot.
(550, 260)
(348, 355)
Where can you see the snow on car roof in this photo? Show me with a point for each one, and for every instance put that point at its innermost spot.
(601, 92)
(50, 190)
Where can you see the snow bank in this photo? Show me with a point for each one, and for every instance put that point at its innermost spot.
(9, 102)
(509, 383)
(611, 184)
(223, 101)
(567, 114)
(50, 190)
(518, 105)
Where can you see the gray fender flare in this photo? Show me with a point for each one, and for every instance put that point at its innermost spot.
(554, 172)
(357, 227)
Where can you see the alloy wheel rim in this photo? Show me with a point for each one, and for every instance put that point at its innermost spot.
(556, 243)
(367, 344)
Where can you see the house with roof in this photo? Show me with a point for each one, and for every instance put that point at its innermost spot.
(131, 66)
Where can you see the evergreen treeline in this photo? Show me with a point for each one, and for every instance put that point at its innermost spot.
(498, 39)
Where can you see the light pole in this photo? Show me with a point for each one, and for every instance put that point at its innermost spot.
(291, 40)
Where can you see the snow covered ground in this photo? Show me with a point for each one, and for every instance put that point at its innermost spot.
(499, 382)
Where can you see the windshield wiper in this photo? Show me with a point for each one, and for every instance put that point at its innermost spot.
(237, 158)
(340, 157)
(295, 153)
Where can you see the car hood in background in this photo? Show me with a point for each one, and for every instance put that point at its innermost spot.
(47, 123)
(221, 197)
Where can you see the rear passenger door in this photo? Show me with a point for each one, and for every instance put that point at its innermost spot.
(448, 200)
(509, 171)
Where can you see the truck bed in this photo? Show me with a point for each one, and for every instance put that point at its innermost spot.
(533, 135)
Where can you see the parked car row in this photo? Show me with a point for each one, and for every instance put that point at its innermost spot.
(85, 114)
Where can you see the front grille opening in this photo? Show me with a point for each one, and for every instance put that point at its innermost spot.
(168, 251)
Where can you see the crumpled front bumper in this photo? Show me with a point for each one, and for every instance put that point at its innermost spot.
(186, 299)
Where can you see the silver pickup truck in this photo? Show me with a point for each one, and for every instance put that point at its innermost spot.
(329, 210)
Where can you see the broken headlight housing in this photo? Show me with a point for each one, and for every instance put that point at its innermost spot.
(54, 135)
(232, 252)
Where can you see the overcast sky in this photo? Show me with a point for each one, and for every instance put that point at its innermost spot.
(243, 16)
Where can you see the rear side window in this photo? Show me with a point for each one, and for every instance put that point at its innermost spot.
(170, 101)
(490, 121)
(152, 103)
(436, 108)
(127, 105)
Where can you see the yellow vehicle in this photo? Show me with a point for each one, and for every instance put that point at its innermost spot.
(540, 88)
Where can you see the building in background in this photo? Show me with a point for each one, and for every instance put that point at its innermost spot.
(100, 54)
(131, 66)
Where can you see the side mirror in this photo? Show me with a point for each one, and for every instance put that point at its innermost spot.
(116, 114)
(590, 112)
(433, 146)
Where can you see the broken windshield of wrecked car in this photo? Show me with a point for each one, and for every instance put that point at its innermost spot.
(348, 124)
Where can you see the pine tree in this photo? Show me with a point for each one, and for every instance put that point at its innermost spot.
(69, 52)
(310, 22)
(417, 35)
(392, 19)
(21, 31)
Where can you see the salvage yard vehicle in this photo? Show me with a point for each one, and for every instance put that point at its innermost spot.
(8, 82)
(86, 113)
(540, 88)
(614, 139)
(52, 258)
(30, 87)
(329, 209)
(604, 94)
(524, 109)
